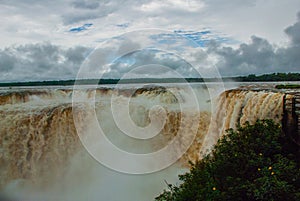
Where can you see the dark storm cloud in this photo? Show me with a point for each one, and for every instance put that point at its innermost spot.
(294, 32)
(259, 56)
(256, 56)
(40, 62)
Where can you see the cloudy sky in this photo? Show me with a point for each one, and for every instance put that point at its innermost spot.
(46, 40)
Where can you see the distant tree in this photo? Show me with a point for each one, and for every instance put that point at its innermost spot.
(256, 162)
(251, 77)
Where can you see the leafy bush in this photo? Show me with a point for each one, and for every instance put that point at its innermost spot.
(256, 162)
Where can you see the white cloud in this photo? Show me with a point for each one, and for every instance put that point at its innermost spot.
(161, 6)
(30, 23)
(36, 21)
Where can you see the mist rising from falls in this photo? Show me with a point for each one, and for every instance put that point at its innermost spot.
(42, 158)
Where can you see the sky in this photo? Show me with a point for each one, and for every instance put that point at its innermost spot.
(52, 40)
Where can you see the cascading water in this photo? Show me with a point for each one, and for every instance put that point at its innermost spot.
(236, 107)
(40, 148)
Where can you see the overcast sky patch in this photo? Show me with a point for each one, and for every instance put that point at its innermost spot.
(50, 39)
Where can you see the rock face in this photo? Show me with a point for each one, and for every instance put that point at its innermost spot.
(297, 112)
(291, 119)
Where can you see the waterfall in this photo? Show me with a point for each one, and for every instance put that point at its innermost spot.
(39, 140)
(236, 107)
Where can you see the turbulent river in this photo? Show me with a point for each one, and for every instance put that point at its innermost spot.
(46, 135)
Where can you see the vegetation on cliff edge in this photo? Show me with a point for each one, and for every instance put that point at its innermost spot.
(256, 162)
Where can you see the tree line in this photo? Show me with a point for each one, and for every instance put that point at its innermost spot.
(249, 78)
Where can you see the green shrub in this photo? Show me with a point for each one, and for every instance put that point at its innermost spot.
(256, 162)
(287, 86)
